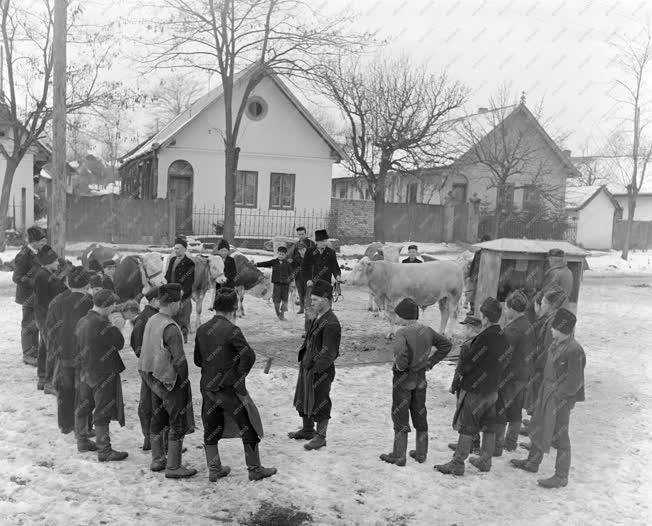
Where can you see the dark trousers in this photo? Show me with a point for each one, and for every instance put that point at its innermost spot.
(213, 410)
(322, 389)
(169, 412)
(145, 408)
(29, 333)
(301, 291)
(561, 439)
(100, 401)
(476, 412)
(280, 295)
(66, 398)
(44, 364)
(406, 402)
(183, 317)
(509, 406)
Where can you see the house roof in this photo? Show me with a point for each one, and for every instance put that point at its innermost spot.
(531, 246)
(577, 197)
(181, 121)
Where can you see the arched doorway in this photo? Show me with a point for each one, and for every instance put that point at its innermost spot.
(180, 181)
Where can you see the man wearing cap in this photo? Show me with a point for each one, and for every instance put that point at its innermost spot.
(412, 357)
(136, 341)
(64, 313)
(162, 365)
(225, 359)
(413, 253)
(99, 345)
(319, 263)
(181, 270)
(481, 367)
(317, 356)
(47, 285)
(25, 267)
(513, 385)
(558, 276)
(562, 387)
(230, 271)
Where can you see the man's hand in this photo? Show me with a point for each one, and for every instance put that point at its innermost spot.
(221, 280)
(309, 283)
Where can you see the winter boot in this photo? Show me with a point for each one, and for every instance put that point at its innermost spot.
(81, 435)
(215, 468)
(147, 446)
(174, 469)
(306, 432)
(475, 448)
(511, 437)
(456, 466)
(556, 481)
(500, 439)
(166, 434)
(159, 461)
(40, 384)
(252, 458)
(421, 452)
(526, 465)
(483, 462)
(104, 451)
(397, 456)
(277, 310)
(319, 440)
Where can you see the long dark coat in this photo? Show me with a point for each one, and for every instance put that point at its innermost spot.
(318, 265)
(184, 275)
(47, 285)
(64, 313)
(25, 268)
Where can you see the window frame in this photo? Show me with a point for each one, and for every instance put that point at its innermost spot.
(528, 203)
(244, 205)
(282, 176)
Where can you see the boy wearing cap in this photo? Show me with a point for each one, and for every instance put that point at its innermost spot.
(230, 271)
(513, 385)
(282, 275)
(317, 356)
(225, 359)
(412, 357)
(26, 266)
(98, 344)
(181, 270)
(481, 367)
(413, 252)
(562, 387)
(162, 365)
(46, 286)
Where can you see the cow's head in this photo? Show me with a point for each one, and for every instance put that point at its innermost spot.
(262, 289)
(153, 268)
(215, 267)
(359, 276)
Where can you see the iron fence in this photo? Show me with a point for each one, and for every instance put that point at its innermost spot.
(519, 227)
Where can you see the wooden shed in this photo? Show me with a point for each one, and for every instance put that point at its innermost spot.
(509, 264)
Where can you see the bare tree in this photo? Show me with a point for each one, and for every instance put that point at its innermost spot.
(282, 37)
(633, 56)
(593, 169)
(394, 112)
(175, 94)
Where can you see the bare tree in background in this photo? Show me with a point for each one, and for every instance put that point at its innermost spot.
(282, 37)
(592, 168)
(633, 57)
(394, 112)
(175, 94)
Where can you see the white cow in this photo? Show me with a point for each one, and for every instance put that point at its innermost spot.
(429, 283)
(380, 252)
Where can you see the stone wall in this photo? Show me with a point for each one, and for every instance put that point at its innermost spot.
(352, 221)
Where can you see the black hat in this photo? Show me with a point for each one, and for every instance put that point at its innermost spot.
(34, 233)
(170, 292)
(301, 228)
(517, 301)
(321, 235)
(282, 249)
(491, 309)
(556, 252)
(323, 289)
(95, 281)
(94, 265)
(104, 298)
(152, 293)
(413, 247)
(46, 255)
(78, 278)
(556, 297)
(407, 309)
(564, 321)
(226, 300)
(223, 244)
(181, 241)
(108, 263)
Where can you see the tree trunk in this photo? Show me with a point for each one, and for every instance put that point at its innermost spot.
(231, 154)
(379, 211)
(631, 209)
(10, 170)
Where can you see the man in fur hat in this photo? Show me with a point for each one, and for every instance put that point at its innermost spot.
(99, 344)
(181, 270)
(230, 271)
(47, 285)
(225, 359)
(162, 365)
(317, 356)
(25, 267)
(562, 387)
(481, 367)
(412, 357)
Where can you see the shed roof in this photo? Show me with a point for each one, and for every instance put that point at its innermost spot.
(531, 246)
(577, 197)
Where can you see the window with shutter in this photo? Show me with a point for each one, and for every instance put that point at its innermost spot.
(246, 189)
(281, 191)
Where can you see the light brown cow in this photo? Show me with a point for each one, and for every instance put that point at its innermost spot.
(208, 271)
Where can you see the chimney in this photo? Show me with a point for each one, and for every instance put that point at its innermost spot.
(567, 153)
(483, 110)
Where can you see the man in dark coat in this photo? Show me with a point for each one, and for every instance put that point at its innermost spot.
(25, 267)
(319, 263)
(413, 253)
(136, 341)
(513, 385)
(47, 285)
(181, 270)
(64, 313)
(225, 359)
(298, 254)
(303, 238)
(481, 367)
(561, 389)
(282, 275)
(99, 344)
(317, 356)
(162, 365)
(230, 271)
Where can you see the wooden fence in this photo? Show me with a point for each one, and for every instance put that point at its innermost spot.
(641, 238)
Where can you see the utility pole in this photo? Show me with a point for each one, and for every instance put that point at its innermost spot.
(57, 211)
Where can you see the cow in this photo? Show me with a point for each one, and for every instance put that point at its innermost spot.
(135, 275)
(249, 279)
(380, 252)
(97, 254)
(434, 282)
(208, 270)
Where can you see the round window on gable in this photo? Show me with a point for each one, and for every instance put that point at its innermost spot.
(256, 108)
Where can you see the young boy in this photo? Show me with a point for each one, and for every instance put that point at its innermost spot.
(412, 347)
(413, 252)
(283, 273)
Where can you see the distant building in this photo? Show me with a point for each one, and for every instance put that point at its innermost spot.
(592, 210)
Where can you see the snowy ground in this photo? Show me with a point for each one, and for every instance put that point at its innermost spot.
(43, 480)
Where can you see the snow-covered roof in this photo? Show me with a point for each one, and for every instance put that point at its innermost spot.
(340, 171)
(531, 246)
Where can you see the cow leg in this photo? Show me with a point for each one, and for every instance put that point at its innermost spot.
(444, 310)
(241, 293)
(389, 314)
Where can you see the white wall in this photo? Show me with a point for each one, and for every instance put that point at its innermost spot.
(595, 223)
(23, 178)
(643, 210)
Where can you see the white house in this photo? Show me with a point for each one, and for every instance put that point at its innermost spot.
(643, 210)
(592, 210)
(285, 162)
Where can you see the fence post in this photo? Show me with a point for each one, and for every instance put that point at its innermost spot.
(23, 208)
(172, 215)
